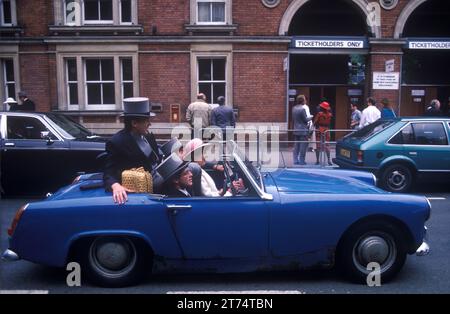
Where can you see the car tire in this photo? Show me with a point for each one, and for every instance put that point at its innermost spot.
(113, 261)
(371, 242)
(397, 178)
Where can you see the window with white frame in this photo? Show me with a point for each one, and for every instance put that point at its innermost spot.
(96, 82)
(98, 11)
(212, 78)
(9, 81)
(72, 81)
(91, 12)
(211, 11)
(126, 14)
(6, 12)
(100, 82)
(127, 77)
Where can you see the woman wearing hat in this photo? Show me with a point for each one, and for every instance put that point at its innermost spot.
(132, 147)
(322, 121)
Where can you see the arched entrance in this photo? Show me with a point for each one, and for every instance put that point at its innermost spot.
(427, 56)
(328, 54)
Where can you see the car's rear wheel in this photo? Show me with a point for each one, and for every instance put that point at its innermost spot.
(113, 261)
(397, 178)
(378, 242)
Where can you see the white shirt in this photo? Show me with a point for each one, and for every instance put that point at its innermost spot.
(308, 111)
(369, 116)
(308, 114)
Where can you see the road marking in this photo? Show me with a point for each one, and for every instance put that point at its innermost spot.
(23, 291)
(239, 292)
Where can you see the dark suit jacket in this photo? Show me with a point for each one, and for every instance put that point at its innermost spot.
(222, 117)
(27, 105)
(123, 153)
(170, 191)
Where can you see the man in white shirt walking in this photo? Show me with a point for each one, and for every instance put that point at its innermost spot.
(370, 114)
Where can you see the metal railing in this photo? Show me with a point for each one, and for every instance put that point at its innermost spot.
(319, 150)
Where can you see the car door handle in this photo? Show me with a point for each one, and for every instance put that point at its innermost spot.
(179, 206)
(413, 153)
(10, 145)
(174, 209)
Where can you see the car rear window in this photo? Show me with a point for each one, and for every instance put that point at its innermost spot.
(370, 130)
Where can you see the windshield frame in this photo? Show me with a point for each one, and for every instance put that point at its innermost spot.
(257, 184)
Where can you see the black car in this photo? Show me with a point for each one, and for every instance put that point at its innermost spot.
(40, 152)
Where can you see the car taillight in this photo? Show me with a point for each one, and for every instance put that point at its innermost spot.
(360, 157)
(16, 219)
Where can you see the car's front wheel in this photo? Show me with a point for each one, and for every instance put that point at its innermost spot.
(397, 178)
(113, 261)
(372, 246)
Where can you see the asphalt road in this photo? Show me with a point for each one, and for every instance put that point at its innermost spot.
(420, 275)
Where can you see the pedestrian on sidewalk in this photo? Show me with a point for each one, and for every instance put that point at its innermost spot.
(322, 121)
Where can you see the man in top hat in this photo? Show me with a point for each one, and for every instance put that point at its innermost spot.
(176, 177)
(132, 147)
(11, 103)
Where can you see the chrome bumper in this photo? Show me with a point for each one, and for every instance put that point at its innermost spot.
(424, 249)
(10, 256)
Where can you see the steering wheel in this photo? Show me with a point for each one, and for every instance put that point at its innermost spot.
(228, 179)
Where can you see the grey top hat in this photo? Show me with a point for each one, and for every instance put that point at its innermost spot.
(171, 167)
(171, 146)
(137, 107)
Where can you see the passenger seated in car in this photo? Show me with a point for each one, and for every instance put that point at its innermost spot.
(176, 177)
(202, 181)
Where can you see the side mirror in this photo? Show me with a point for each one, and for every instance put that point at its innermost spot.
(45, 135)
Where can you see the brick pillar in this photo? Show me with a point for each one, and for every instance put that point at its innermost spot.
(379, 54)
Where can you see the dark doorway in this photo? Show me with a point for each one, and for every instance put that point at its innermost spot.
(330, 18)
(431, 19)
(427, 69)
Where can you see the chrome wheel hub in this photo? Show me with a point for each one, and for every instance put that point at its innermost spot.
(376, 247)
(112, 257)
(397, 179)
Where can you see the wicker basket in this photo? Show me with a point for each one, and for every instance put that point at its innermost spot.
(137, 180)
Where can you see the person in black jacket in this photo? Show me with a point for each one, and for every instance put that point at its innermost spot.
(176, 177)
(27, 104)
(132, 147)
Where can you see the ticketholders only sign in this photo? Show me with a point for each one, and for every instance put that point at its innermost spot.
(329, 43)
(429, 45)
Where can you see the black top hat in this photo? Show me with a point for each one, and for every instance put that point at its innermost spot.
(137, 107)
(171, 167)
(171, 146)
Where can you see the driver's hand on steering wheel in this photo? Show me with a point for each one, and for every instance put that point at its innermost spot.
(239, 185)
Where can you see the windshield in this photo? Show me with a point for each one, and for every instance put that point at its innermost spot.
(252, 169)
(370, 130)
(70, 127)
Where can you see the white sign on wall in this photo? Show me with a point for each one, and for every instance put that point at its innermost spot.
(390, 66)
(388, 81)
(330, 44)
(418, 92)
(429, 45)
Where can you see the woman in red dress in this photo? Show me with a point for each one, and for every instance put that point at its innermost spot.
(322, 121)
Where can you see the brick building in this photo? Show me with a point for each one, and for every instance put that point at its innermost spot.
(82, 57)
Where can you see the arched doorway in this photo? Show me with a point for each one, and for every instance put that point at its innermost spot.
(427, 57)
(328, 55)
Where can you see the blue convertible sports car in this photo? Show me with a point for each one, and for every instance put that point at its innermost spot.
(287, 220)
